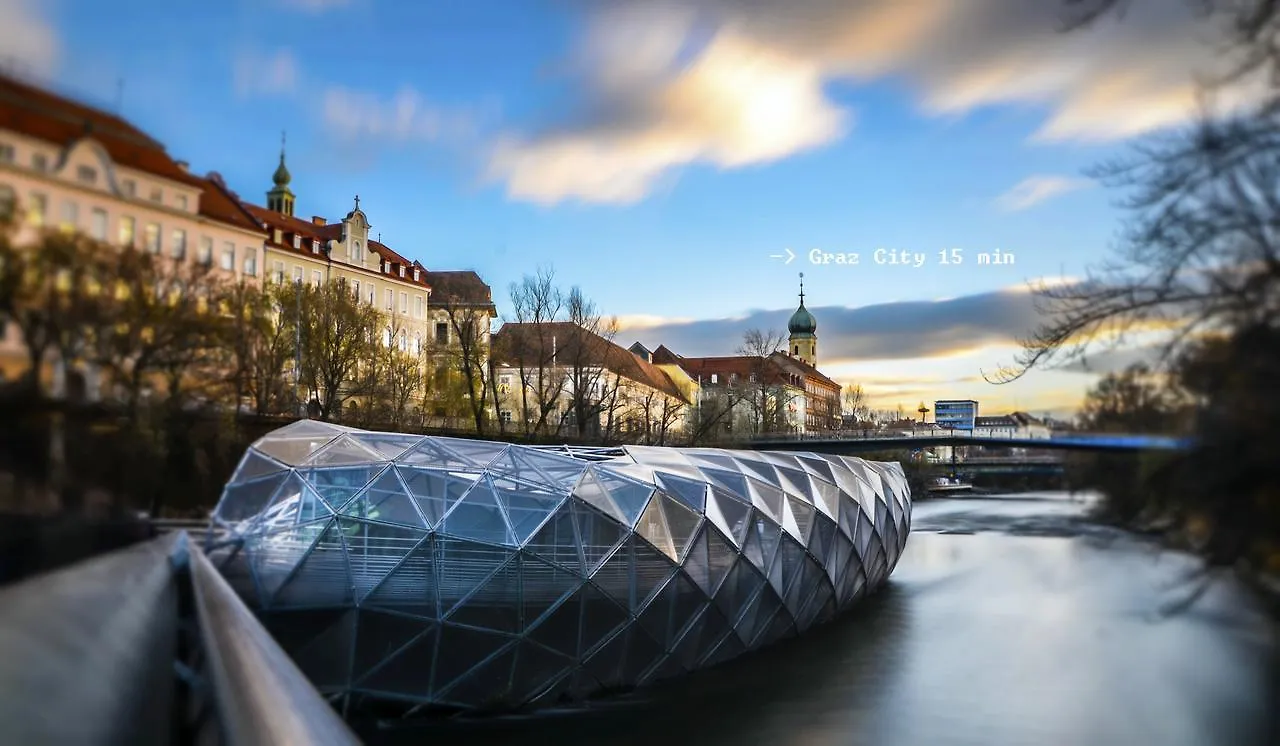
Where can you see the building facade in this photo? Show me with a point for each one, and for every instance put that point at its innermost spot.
(65, 165)
(955, 414)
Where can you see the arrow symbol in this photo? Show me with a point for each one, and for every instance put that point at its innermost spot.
(790, 255)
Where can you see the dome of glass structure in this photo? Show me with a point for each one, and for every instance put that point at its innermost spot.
(416, 573)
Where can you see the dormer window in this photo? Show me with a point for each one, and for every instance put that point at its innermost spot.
(87, 174)
(417, 274)
(182, 202)
(278, 235)
(315, 246)
(297, 241)
(356, 256)
(40, 162)
(402, 271)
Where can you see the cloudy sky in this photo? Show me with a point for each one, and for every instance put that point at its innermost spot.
(661, 154)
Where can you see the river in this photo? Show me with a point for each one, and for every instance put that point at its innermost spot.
(1009, 620)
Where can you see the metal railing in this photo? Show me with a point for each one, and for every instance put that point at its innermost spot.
(149, 645)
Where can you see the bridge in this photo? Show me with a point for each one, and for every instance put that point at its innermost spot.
(843, 444)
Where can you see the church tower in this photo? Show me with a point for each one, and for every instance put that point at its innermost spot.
(804, 332)
(280, 198)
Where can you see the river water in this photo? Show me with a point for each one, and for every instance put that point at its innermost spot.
(1009, 620)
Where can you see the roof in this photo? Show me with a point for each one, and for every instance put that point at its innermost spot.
(462, 287)
(48, 116)
(743, 366)
(1000, 420)
(572, 342)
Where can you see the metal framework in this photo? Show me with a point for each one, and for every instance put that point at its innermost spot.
(408, 573)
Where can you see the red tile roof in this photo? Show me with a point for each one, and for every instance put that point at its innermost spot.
(463, 287)
(48, 116)
(574, 343)
(774, 370)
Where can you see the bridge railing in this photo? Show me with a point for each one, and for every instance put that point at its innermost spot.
(148, 645)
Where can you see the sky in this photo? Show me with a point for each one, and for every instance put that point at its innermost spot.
(667, 157)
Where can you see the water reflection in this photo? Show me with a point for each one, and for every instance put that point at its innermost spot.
(984, 638)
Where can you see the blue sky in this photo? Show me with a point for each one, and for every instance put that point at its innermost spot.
(657, 154)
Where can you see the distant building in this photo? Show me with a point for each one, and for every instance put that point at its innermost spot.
(955, 414)
(1018, 425)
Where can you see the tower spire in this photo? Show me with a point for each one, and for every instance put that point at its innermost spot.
(280, 198)
(802, 288)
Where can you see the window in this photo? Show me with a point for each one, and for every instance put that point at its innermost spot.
(277, 271)
(297, 241)
(442, 333)
(277, 235)
(315, 246)
(179, 244)
(98, 224)
(391, 299)
(372, 292)
(38, 210)
(417, 274)
(182, 201)
(419, 306)
(715, 378)
(228, 257)
(356, 256)
(402, 270)
(6, 152)
(417, 345)
(70, 215)
(251, 263)
(404, 341)
(298, 273)
(386, 337)
(128, 231)
(404, 302)
(157, 194)
(355, 289)
(8, 200)
(40, 161)
(316, 277)
(151, 237)
(205, 254)
(87, 174)
(129, 187)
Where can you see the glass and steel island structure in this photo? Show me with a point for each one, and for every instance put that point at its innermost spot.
(412, 574)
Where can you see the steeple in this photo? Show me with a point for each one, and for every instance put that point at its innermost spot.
(280, 198)
(804, 331)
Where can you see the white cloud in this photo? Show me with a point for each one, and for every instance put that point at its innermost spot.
(28, 42)
(1033, 190)
(731, 83)
(406, 116)
(265, 75)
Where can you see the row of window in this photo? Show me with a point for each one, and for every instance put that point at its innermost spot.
(127, 232)
(389, 295)
(89, 175)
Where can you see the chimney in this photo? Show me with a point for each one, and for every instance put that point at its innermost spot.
(317, 220)
(184, 166)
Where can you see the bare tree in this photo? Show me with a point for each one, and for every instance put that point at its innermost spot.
(537, 304)
(770, 396)
(395, 372)
(260, 342)
(587, 356)
(856, 406)
(467, 349)
(336, 337)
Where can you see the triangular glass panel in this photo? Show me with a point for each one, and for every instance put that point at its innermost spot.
(543, 586)
(598, 535)
(818, 467)
(687, 600)
(739, 585)
(801, 584)
(589, 490)
(407, 671)
(642, 652)
(767, 499)
(692, 492)
(728, 649)
(316, 660)
(486, 683)
(462, 566)
(375, 549)
(821, 534)
(803, 514)
(562, 470)
(766, 604)
(308, 429)
(524, 469)
(460, 650)
(614, 576)
(650, 569)
(477, 516)
(629, 495)
(558, 630)
(343, 451)
(733, 513)
(379, 636)
(790, 560)
(322, 578)
(272, 557)
(730, 481)
(389, 446)
(600, 617)
(387, 501)
(711, 458)
(255, 465)
(434, 490)
(557, 541)
(754, 551)
(479, 452)
(794, 481)
(411, 586)
(667, 667)
(637, 472)
(789, 524)
(494, 605)
(536, 670)
(652, 526)
(605, 662)
(292, 451)
(336, 486)
(431, 455)
(762, 470)
(682, 523)
(246, 500)
(294, 502)
(769, 534)
(526, 505)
